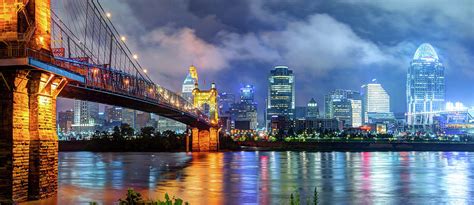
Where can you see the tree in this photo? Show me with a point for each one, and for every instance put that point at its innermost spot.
(291, 132)
(96, 135)
(116, 134)
(126, 130)
(147, 132)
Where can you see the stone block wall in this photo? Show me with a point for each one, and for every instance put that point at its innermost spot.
(205, 140)
(8, 20)
(14, 137)
(28, 140)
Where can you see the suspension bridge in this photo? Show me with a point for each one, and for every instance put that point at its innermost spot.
(71, 49)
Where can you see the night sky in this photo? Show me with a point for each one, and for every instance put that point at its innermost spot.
(329, 45)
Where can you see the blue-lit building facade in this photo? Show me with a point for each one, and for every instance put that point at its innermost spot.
(244, 113)
(454, 123)
(247, 93)
(345, 106)
(226, 101)
(312, 109)
(456, 120)
(425, 88)
(188, 84)
(281, 94)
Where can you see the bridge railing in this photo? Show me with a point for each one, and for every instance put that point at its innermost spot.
(84, 41)
(112, 80)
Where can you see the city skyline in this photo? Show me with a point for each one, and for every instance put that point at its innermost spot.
(326, 71)
(298, 102)
(388, 62)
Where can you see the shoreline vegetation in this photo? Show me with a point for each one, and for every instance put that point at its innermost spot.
(172, 143)
(355, 146)
(133, 197)
(124, 139)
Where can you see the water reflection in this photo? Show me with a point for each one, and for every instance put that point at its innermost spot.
(269, 177)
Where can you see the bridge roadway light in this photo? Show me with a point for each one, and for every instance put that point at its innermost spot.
(135, 56)
(123, 38)
(108, 14)
(145, 70)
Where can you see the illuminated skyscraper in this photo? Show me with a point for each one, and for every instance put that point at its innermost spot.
(129, 117)
(344, 105)
(374, 100)
(65, 120)
(312, 111)
(113, 114)
(425, 87)
(281, 93)
(86, 115)
(336, 96)
(226, 101)
(356, 113)
(247, 94)
(188, 84)
(244, 113)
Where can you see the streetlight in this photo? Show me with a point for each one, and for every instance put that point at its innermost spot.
(123, 38)
(135, 56)
(108, 14)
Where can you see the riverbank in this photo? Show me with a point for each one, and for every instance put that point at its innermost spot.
(163, 144)
(349, 146)
(354, 146)
(121, 146)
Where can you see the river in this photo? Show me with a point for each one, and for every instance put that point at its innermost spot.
(269, 177)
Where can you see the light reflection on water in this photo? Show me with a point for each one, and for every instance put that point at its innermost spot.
(269, 177)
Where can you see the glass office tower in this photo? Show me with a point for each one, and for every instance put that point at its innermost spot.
(425, 87)
(281, 93)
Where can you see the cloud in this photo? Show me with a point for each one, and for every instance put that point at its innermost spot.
(321, 43)
(324, 44)
(437, 16)
(168, 52)
(315, 45)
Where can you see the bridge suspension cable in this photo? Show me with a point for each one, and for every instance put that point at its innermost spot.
(82, 34)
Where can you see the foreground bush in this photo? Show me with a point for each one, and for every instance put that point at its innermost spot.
(295, 200)
(135, 198)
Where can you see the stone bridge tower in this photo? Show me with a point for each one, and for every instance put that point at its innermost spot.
(206, 140)
(28, 138)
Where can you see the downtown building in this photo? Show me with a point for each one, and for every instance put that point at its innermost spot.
(226, 101)
(425, 88)
(65, 121)
(244, 113)
(86, 116)
(281, 95)
(375, 104)
(311, 110)
(188, 84)
(345, 106)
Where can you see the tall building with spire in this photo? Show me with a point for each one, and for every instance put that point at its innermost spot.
(312, 111)
(425, 87)
(188, 84)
